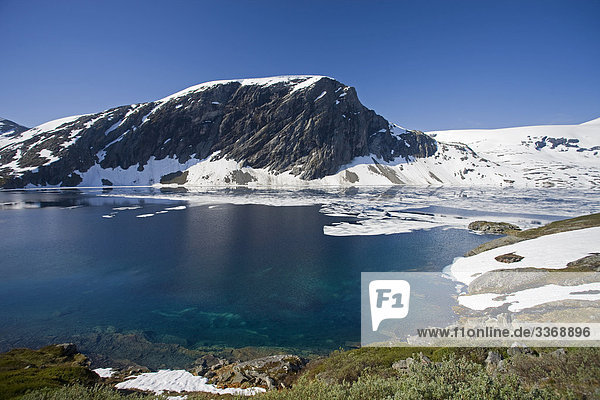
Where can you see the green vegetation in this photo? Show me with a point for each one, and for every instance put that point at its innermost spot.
(585, 221)
(577, 372)
(22, 370)
(367, 373)
(80, 392)
(348, 366)
(452, 378)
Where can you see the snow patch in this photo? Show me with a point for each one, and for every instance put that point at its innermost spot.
(113, 127)
(298, 81)
(151, 173)
(45, 153)
(550, 251)
(180, 381)
(528, 161)
(104, 372)
(321, 96)
(529, 298)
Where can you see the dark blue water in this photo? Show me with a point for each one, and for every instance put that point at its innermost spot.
(228, 275)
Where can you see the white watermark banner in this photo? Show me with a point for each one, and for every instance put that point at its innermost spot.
(498, 308)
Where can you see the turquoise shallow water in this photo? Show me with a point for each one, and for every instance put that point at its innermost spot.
(226, 275)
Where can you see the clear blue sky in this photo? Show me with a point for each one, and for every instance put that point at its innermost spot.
(423, 64)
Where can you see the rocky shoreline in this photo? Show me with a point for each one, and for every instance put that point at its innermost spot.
(46, 368)
(60, 371)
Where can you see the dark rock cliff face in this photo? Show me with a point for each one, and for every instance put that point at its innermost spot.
(311, 130)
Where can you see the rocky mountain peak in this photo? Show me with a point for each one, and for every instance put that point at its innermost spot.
(308, 126)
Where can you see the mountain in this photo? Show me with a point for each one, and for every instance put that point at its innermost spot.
(279, 131)
(304, 126)
(539, 156)
(9, 128)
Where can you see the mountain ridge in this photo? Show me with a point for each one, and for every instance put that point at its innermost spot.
(308, 125)
(294, 130)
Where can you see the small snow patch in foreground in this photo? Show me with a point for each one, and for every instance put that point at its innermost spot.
(179, 381)
(104, 372)
(144, 215)
(529, 298)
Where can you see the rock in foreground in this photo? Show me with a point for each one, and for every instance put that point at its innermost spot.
(271, 372)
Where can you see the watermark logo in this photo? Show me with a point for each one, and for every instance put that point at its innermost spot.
(389, 299)
(441, 316)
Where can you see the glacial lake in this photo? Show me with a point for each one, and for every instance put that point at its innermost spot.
(231, 267)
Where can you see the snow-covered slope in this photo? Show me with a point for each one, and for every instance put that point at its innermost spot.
(452, 164)
(592, 122)
(538, 156)
(525, 288)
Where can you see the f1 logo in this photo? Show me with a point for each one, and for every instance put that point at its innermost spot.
(389, 299)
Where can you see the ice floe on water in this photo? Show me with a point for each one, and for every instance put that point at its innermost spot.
(177, 208)
(145, 215)
(127, 208)
(180, 381)
(400, 209)
(117, 210)
(390, 222)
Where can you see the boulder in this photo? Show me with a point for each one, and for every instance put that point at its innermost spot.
(206, 365)
(493, 228)
(493, 357)
(492, 362)
(403, 365)
(509, 258)
(67, 349)
(270, 372)
(517, 348)
(587, 263)
(559, 352)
